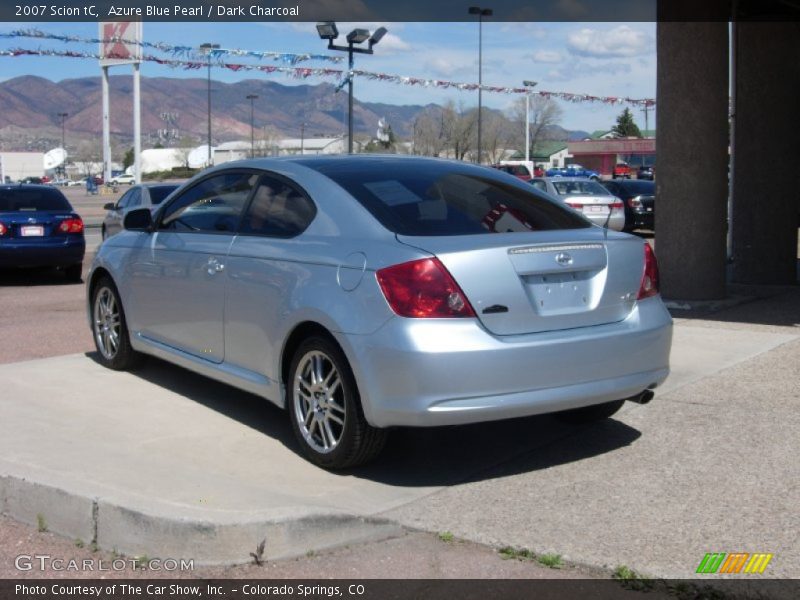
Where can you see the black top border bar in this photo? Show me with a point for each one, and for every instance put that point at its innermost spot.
(394, 11)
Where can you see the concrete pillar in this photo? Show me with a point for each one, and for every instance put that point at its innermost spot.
(692, 157)
(766, 150)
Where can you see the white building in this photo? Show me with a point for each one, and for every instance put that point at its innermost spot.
(18, 165)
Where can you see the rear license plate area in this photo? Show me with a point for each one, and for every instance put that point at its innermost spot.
(31, 231)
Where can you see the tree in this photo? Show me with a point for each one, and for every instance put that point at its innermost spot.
(127, 160)
(545, 112)
(428, 135)
(625, 126)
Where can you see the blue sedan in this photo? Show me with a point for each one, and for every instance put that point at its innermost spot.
(39, 228)
(366, 292)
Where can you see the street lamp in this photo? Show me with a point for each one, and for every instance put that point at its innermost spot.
(530, 85)
(252, 98)
(481, 12)
(302, 138)
(207, 49)
(327, 30)
(63, 116)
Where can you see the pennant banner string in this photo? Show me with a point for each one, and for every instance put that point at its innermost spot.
(304, 72)
(175, 50)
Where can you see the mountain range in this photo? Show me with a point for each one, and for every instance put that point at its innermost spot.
(30, 107)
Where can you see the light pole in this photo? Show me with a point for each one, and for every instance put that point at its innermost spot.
(252, 98)
(302, 138)
(530, 85)
(207, 49)
(327, 31)
(63, 116)
(481, 12)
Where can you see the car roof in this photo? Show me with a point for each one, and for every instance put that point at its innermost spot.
(568, 179)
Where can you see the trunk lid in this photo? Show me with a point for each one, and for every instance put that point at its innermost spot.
(527, 283)
(33, 225)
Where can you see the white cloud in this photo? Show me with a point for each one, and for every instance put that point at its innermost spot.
(617, 42)
(577, 70)
(391, 43)
(547, 56)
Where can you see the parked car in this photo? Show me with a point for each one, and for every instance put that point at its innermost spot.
(123, 178)
(32, 180)
(148, 195)
(39, 228)
(586, 196)
(366, 292)
(573, 170)
(638, 196)
(523, 169)
(646, 172)
(622, 170)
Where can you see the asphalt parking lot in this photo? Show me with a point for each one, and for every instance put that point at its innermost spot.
(709, 466)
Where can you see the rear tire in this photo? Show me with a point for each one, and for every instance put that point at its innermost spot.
(591, 414)
(73, 273)
(110, 330)
(325, 408)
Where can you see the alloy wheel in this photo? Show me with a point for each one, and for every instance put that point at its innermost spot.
(319, 403)
(106, 323)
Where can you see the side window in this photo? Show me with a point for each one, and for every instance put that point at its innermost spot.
(135, 198)
(213, 205)
(123, 202)
(278, 209)
(539, 185)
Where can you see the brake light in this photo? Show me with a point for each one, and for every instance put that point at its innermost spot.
(649, 285)
(616, 205)
(634, 202)
(3, 229)
(72, 225)
(577, 205)
(423, 288)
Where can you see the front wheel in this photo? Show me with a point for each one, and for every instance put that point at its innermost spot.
(590, 414)
(325, 408)
(109, 329)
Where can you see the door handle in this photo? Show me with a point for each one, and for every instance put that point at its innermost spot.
(214, 266)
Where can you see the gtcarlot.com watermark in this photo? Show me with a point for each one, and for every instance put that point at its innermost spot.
(45, 562)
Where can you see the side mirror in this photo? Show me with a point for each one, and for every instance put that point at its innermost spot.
(139, 219)
(109, 206)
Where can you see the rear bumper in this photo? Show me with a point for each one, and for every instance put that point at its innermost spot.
(70, 252)
(415, 372)
(644, 220)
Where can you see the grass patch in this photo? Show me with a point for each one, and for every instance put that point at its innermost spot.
(631, 579)
(79, 543)
(140, 562)
(446, 536)
(508, 553)
(550, 560)
(41, 523)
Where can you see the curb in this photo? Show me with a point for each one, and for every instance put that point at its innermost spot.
(112, 527)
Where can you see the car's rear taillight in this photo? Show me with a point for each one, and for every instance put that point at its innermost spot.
(617, 205)
(3, 229)
(577, 205)
(72, 225)
(634, 202)
(649, 285)
(423, 288)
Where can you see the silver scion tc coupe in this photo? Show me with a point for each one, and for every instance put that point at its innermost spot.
(366, 292)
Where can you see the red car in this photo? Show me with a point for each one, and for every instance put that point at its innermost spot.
(622, 170)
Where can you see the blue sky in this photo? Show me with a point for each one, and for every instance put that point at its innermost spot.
(601, 59)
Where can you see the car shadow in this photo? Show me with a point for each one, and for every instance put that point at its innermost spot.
(34, 277)
(416, 457)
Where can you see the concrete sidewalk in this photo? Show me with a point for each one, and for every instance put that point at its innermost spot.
(166, 463)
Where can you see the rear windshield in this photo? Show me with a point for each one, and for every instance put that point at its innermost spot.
(159, 192)
(580, 188)
(639, 187)
(32, 199)
(416, 198)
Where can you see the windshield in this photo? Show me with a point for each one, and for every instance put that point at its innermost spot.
(580, 188)
(32, 199)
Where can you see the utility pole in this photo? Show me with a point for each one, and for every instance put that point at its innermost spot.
(252, 98)
(302, 138)
(208, 49)
(646, 110)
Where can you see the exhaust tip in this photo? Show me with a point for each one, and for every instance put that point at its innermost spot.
(644, 398)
